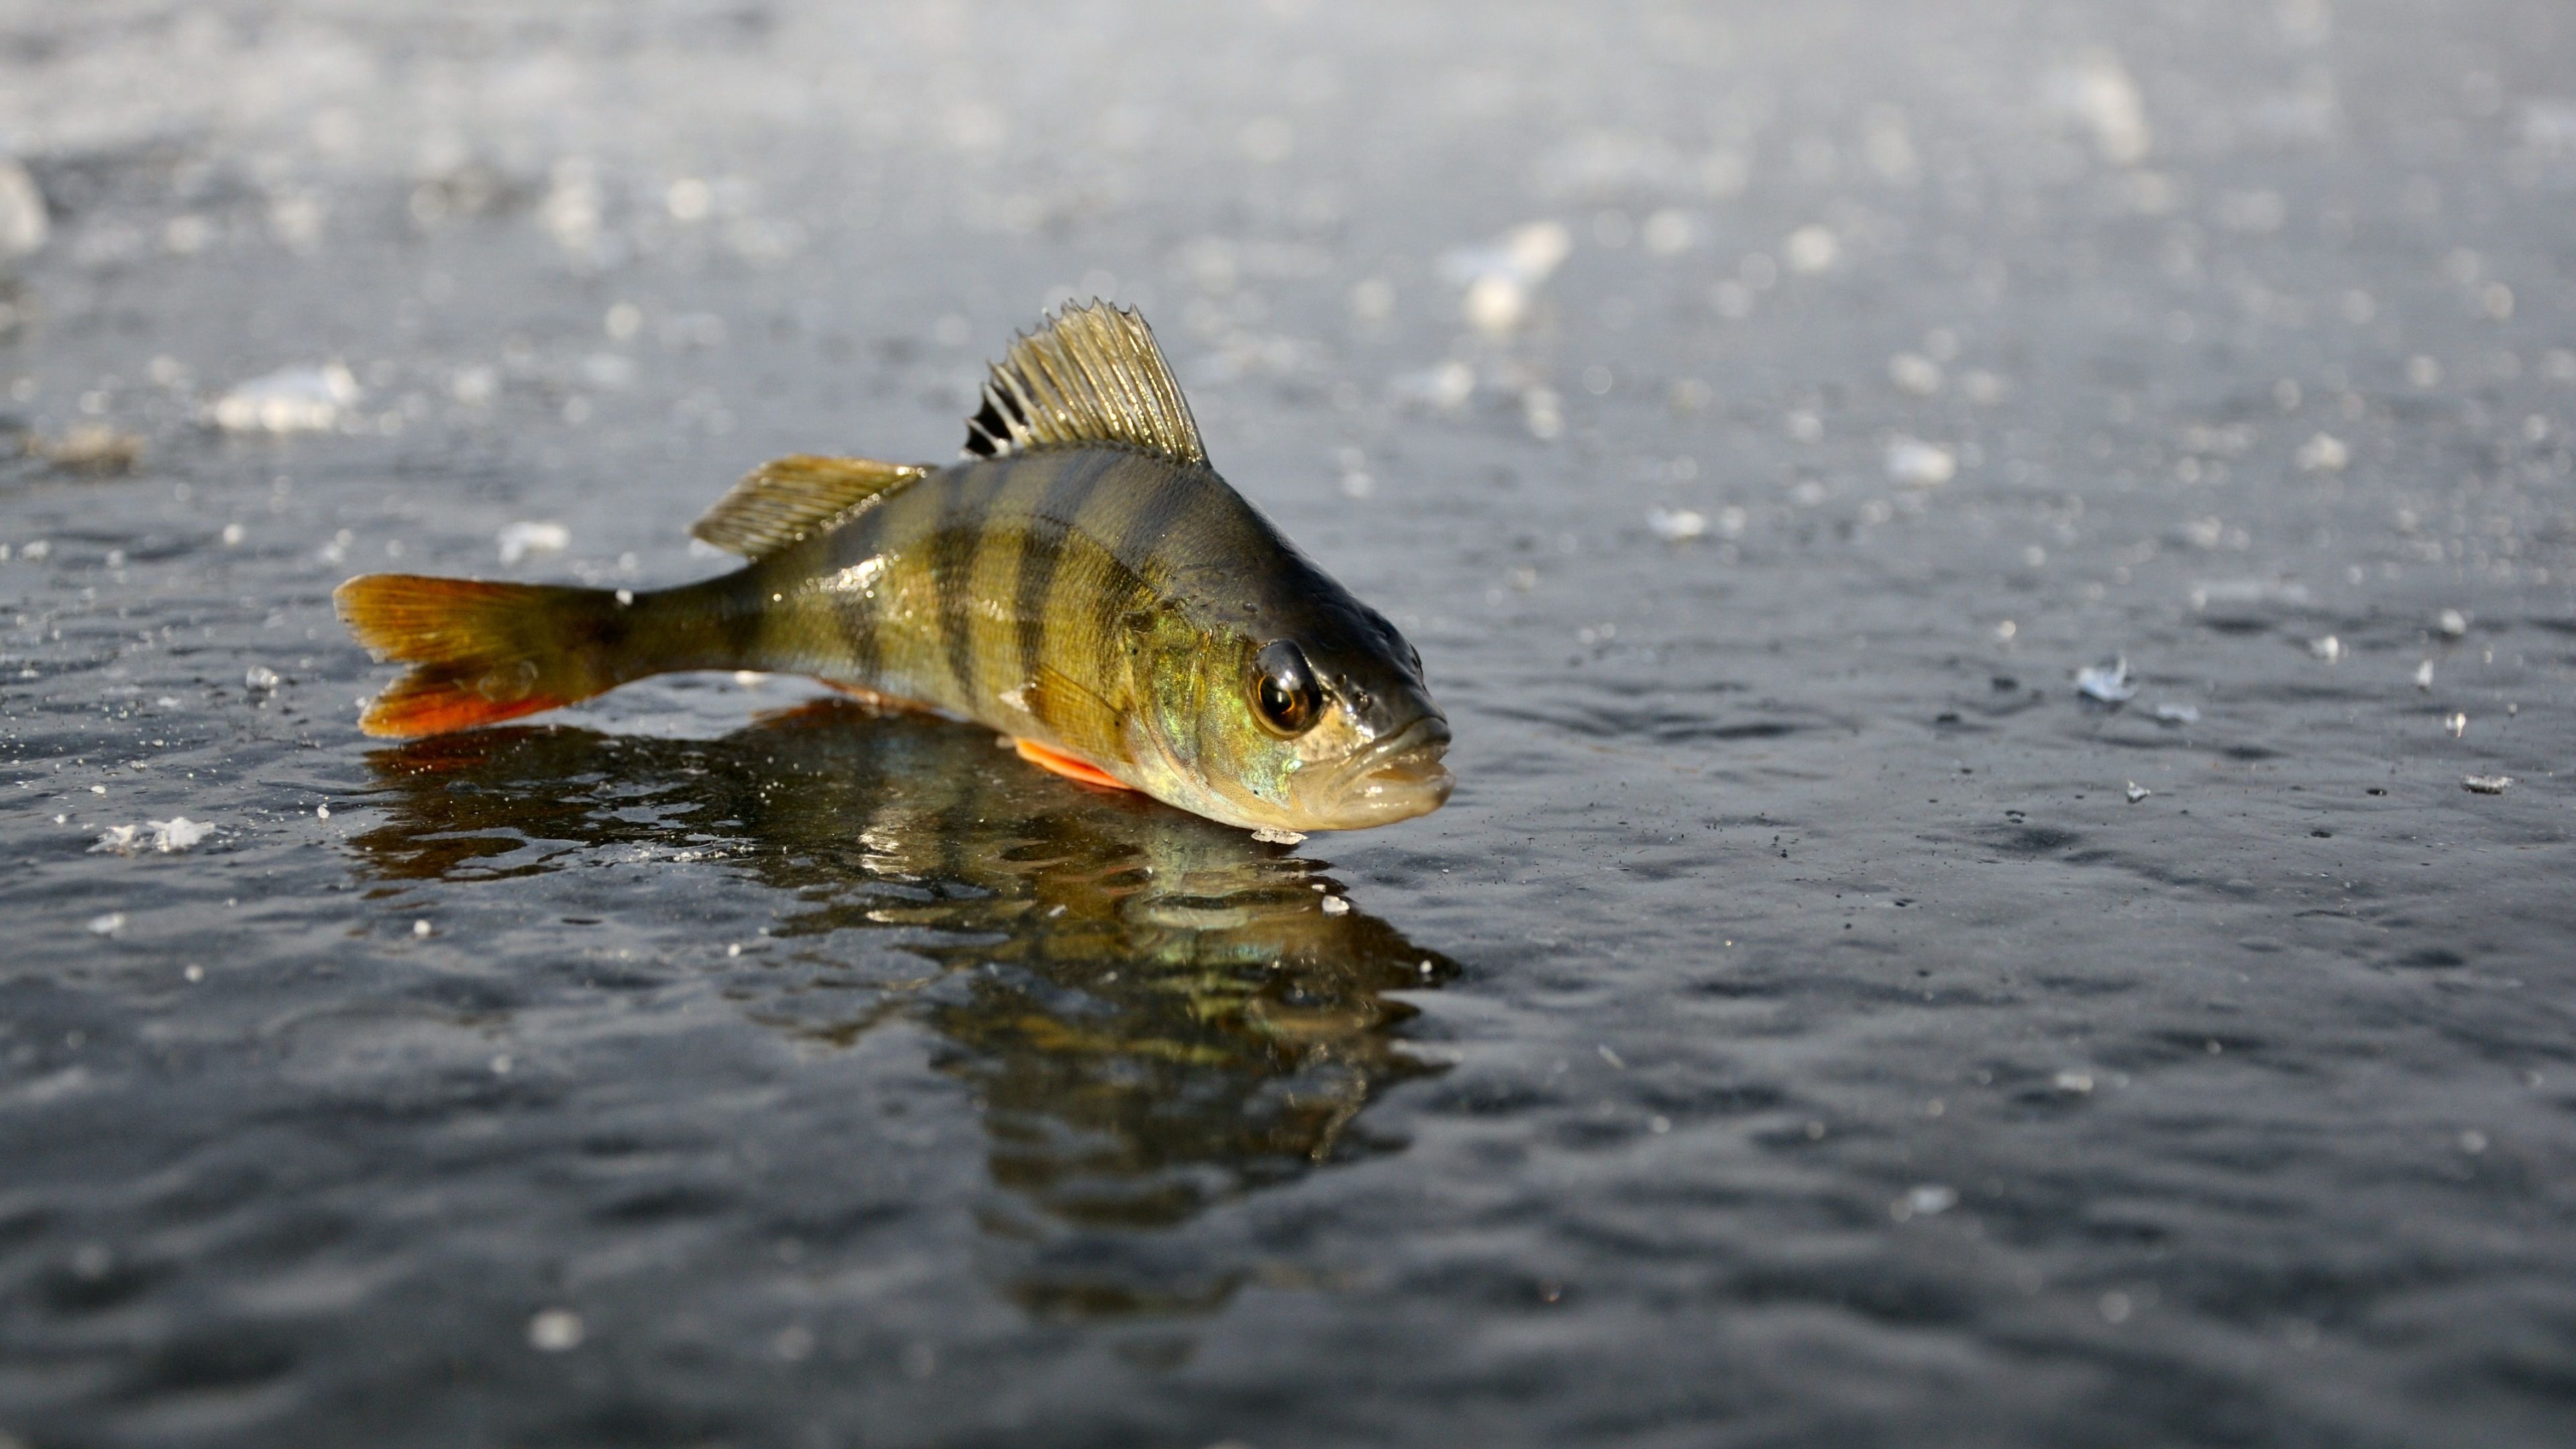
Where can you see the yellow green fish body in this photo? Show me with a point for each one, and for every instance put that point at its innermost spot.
(1082, 581)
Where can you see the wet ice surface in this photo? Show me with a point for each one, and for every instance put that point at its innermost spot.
(1793, 1031)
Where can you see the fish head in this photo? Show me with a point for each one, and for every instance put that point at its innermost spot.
(1310, 714)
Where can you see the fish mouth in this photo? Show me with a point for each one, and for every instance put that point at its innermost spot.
(1397, 778)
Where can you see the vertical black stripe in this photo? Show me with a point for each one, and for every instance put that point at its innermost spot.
(1050, 526)
(742, 617)
(1001, 544)
(840, 636)
(1119, 519)
(1161, 493)
(952, 565)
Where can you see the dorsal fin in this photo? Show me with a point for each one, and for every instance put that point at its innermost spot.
(786, 499)
(1090, 375)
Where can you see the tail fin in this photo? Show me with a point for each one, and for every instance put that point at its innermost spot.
(481, 653)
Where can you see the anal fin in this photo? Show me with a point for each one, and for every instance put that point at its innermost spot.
(1067, 765)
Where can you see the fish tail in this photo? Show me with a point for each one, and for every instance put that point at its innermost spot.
(485, 652)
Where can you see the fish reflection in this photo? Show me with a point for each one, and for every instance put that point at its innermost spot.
(1155, 1011)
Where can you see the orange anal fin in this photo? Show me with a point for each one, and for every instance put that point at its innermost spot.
(1067, 766)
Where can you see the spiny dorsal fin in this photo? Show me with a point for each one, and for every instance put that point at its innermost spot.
(1089, 375)
(789, 498)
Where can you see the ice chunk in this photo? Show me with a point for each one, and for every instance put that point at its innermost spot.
(2202, 532)
(1929, 1200)
(2324, 453)
(1918, 464)
(2487, 784)
(2240, 596)
(1914, 373)
(1356, 482)
(107, 925)
(611, 371)
(2329, 649)
(1677, 525)
(23, 224)
(259, 679)
(1811, 249)
(571, 210)
(2097, 93)
(1496, 305)
(524, 537)
(556, 1330)
(1501, 276)
(2424, 676)
(1445, 387)
(2108, 682)
(2457, 723)
(168, 837)
(2454, 623)
(291, 400)
(2137, 792)
(1336, 906)
(1271, 835)
(1542, 413)
(2177, 714)
(92, 448)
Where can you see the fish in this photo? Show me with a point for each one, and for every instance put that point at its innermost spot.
(1080, 580)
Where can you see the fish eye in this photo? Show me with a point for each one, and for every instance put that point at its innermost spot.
(1284, 695)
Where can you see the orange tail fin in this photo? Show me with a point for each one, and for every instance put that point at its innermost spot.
(481, 653)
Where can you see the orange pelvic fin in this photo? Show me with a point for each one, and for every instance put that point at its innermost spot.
(1067, 766)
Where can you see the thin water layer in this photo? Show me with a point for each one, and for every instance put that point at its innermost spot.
(2001, 577)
